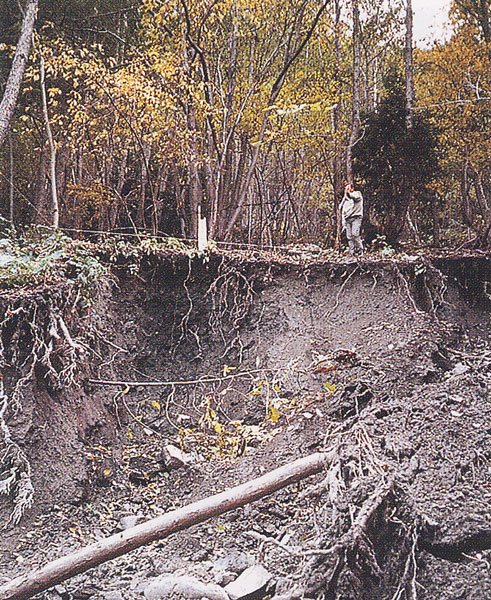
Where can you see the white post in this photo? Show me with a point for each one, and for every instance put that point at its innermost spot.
(202, 232)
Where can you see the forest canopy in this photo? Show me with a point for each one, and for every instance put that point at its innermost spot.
(137, 115)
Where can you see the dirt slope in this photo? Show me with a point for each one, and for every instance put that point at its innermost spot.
(387, 362)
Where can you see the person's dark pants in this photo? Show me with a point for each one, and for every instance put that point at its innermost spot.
(353, 227)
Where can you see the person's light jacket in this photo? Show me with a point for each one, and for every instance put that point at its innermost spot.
(352, 206)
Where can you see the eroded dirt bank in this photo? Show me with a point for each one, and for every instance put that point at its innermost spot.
(262, 361)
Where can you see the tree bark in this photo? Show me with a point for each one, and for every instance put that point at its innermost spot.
(144, 183)
(52, 150)
(336, 115)
(408, 59)
(355, 110)
(436, 223)
(484, 13)
(11, 180)
(224, 189)
(195, 190)
(41, 205)
(26, 586)
(9, 100)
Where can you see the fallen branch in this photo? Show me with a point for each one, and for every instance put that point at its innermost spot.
(64, 568)
(174, 383)
(291, 550)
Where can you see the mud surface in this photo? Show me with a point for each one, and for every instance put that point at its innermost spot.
(387, 364)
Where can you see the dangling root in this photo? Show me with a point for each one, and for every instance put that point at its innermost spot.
(15, 470)
(35, 344)
(231, 295)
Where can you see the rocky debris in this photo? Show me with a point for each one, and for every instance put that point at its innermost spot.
(234, 561)
(251, 585)
(223, 578)
(143, 469)
(459, 369)
(398, 447)
(170, 587)
(352, 400)
(112, 595)
(85, 592)
(172, 458)
(226, 568)
(285, 589)
(201, 555)
(109, 595)
(5, 260)
(59, 591)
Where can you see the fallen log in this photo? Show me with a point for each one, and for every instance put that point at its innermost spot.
(64, 568)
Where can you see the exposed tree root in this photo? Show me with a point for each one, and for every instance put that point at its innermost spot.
(377, 557)
(355, 567)
(15, 471)
(231, 295)
(35, 346)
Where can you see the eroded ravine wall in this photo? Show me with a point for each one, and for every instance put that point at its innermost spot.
(183, 320)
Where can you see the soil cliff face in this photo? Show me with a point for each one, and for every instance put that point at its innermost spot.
(248, 364)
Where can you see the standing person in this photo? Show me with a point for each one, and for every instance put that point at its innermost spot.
(351, 216)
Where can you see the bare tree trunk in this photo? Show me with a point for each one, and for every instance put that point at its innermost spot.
(26, 586)
(375, 85)
(275, 90)
(355, 110)
(436, 223)
(41, 193)
(116, 202)
(52, 151)
(159, 191)
(484, 12)
(409, 77)
(11, 180)
(408, 59)
(63, 160)
(224, 176)
(241, 160)
(337, 161)
(195, 191)
(144, 182)
(9, 100)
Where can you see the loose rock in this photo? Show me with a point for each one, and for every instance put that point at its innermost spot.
(169, 587)
(173, 458)
(251, 585)
(235, 561)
